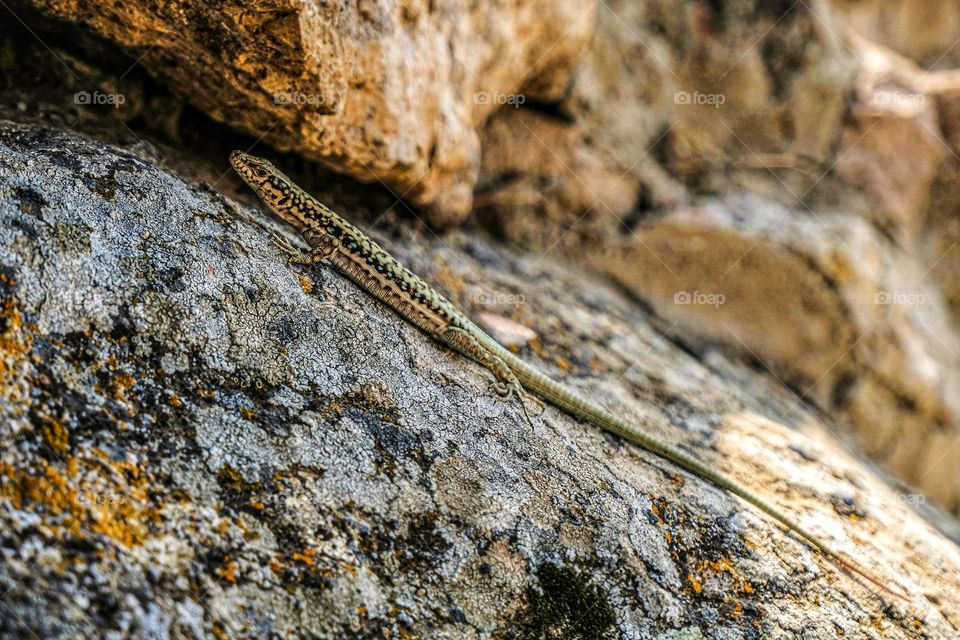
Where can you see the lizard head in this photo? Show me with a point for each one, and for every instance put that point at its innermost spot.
(275, 189)
(254, 171)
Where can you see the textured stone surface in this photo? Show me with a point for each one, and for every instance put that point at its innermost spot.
(892, 146)
(199, 441)
(383, 90)
(925, 30)
(839, 274)
(829, 306)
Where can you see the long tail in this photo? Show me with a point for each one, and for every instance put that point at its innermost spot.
(565, 399)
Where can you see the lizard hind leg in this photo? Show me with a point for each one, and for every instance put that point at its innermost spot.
(507, 385)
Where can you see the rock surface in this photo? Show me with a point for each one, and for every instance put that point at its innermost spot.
(839, 273)
(200, 441)
(384, 91)
(635, 111)
(926, 31)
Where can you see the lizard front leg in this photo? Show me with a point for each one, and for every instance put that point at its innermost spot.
(323, 246)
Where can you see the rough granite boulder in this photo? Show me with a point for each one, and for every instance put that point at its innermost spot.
(197, 440)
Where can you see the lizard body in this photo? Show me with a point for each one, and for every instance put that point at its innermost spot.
(351, 252)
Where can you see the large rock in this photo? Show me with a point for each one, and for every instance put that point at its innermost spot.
(924, 30)
(198, 441)
(840, 272)
(384, 91)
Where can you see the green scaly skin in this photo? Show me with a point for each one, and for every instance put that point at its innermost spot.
(351, 252)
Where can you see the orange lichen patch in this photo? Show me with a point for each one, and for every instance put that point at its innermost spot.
(721, 566)
(114, 508)
(16, 338)
(219, 631)
(562, 363)
(536, 345)
(232, 479)
(305, 283)
(247, 413)
(276, 566)
(120, 384)
(175, 401)
(658, 511)
(55, 435)
(718, 566)
(331, 412)
(228, 570)
(306, 557)
(737, 610)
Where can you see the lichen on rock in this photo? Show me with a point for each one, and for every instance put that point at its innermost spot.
(198, 440)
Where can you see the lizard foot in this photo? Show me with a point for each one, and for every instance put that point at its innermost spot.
(507, 391)
(285, 245)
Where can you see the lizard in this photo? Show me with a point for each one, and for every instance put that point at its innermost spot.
(334, 240)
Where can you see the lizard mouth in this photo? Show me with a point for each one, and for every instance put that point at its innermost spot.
(250, 168)
(241, 163)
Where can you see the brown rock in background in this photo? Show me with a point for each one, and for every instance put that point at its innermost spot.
(837, 277)
(892, 145)
(927, 31)
(382, 91)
